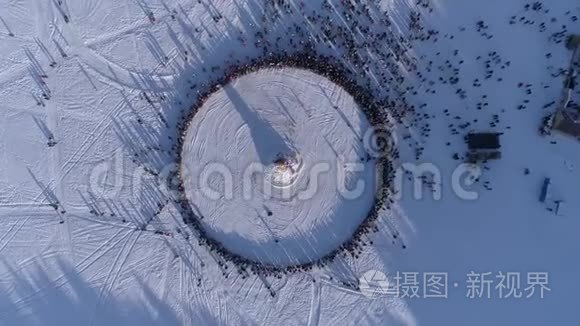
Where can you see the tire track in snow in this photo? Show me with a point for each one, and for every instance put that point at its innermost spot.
(124, 237)
(186, 283)
(103, 223)
(250, 288)
(61, 281)
(164, 281)
(186, 312)
(91, 229)
(226, 311)
(340, 287)
(89, 141)
(131, 28)
(105, 123)
(13, 234)
(108, 286)
(69, 239)
(181, 286)
(112, 70)
(314, 315)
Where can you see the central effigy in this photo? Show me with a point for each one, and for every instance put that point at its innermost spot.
(274, 165)
(284, 170)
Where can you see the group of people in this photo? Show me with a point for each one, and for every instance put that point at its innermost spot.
(378, 118)
(338, 52)
(359, 47)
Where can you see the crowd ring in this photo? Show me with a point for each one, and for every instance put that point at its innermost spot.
(376, 113)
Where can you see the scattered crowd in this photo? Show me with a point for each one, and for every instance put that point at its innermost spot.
(357, 46)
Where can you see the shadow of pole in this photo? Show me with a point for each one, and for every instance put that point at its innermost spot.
(267, 140)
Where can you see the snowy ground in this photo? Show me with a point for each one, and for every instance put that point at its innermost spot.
(119, 254)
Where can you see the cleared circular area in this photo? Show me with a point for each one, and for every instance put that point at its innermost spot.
(275, 166)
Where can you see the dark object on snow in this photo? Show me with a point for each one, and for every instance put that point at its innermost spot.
(561, 208)
(475, 156)
(573, 41)
(567, 117)
(545, 193)
(483, 141)
(482, 147)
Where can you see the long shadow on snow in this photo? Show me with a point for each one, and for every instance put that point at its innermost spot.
(33, 296)
(266, 139)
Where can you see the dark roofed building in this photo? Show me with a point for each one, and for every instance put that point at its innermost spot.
(567, 120)
(483, 141)
(483, 146)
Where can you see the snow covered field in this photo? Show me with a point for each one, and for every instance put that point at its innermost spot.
(88, 106)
